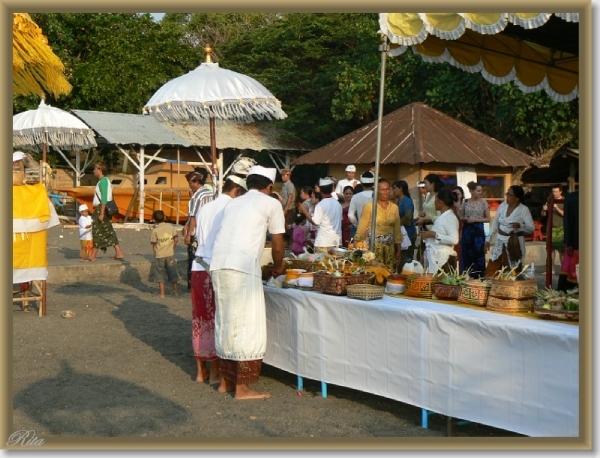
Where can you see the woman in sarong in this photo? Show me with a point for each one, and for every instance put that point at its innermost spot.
(103, 233)
(443, 235)
(388, 236)
(512, 222)
(475, 212)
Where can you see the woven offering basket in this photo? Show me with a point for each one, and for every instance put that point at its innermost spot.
(474, 292)
(329, 284)
(448, 292)
(365, 292)
(420, 285)
(300, 264)
(513, 289)
(497, 304)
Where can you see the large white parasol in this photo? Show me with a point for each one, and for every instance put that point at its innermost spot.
(48, 126)
(211, 93)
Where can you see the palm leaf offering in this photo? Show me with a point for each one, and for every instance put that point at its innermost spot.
(551, 299)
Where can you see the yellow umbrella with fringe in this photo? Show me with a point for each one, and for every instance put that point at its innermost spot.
(36, 69)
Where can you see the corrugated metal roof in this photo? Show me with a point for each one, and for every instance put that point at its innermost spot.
(257, 136)
(556, 171)
(418, 133)
(128, 129)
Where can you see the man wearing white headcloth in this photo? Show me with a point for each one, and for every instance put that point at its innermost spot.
(359, 199)
(327, 217)
(348, 181)
(240, 318)
(208, 220)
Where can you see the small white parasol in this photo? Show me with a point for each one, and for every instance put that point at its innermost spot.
(37, 129)
(211, 93)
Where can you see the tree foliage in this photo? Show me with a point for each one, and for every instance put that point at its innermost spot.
(325, 68)
(115, 62)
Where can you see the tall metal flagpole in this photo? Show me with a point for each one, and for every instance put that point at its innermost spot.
(384, 47)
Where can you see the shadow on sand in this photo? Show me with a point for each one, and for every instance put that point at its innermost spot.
(97, 405)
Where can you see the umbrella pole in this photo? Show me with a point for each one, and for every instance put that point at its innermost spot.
(77, 167)
(141, 185)
(43, 174)
(384, 48)
(213, 153)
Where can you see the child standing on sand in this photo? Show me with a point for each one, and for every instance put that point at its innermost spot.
(163, 239)
(85, 232)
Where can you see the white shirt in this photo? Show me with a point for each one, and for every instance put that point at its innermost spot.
(519, 215)
(339, 189)
(208, 220)
(440, 248)
(357, 203)
(85, 234)
(328, 218)
(241, 236)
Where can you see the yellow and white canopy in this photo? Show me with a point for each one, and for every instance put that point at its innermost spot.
(474, 43)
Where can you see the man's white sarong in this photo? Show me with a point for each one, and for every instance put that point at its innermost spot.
(240, 324)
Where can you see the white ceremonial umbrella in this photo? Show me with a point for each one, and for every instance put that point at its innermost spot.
(48, 126)
(211, 93)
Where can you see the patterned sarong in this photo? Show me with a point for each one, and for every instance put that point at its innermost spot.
(240, 372)
(103, 233)
(203, 317)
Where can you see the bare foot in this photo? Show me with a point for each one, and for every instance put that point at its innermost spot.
(226, 386)
(202, 374)
(243, 392)
(161, 295)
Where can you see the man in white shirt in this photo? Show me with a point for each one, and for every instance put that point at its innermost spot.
(359, 199)
(240, 318)
(208, 220)
(348, 181)
(327, 217)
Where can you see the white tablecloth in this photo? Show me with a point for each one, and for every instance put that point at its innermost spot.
(509, 372)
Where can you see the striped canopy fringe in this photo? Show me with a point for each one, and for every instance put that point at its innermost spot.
(225, 112)
(72, 139)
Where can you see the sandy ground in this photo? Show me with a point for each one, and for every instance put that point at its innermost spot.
(124, 367)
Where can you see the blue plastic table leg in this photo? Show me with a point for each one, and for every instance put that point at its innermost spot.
(324, 389)
(300, 384)
(424, 418)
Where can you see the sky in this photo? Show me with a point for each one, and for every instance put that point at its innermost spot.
(157, 16)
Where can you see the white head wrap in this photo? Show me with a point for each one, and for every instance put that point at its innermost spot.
(239, 181)
(265, 172)
(367, 179)
(19, 156)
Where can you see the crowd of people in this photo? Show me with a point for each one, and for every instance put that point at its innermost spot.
(226, 237)
(408, 229)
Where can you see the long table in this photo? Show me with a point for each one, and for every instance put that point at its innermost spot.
(509, 372)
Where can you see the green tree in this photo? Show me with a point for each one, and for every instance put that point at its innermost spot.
(298, 57)
(115, 62)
